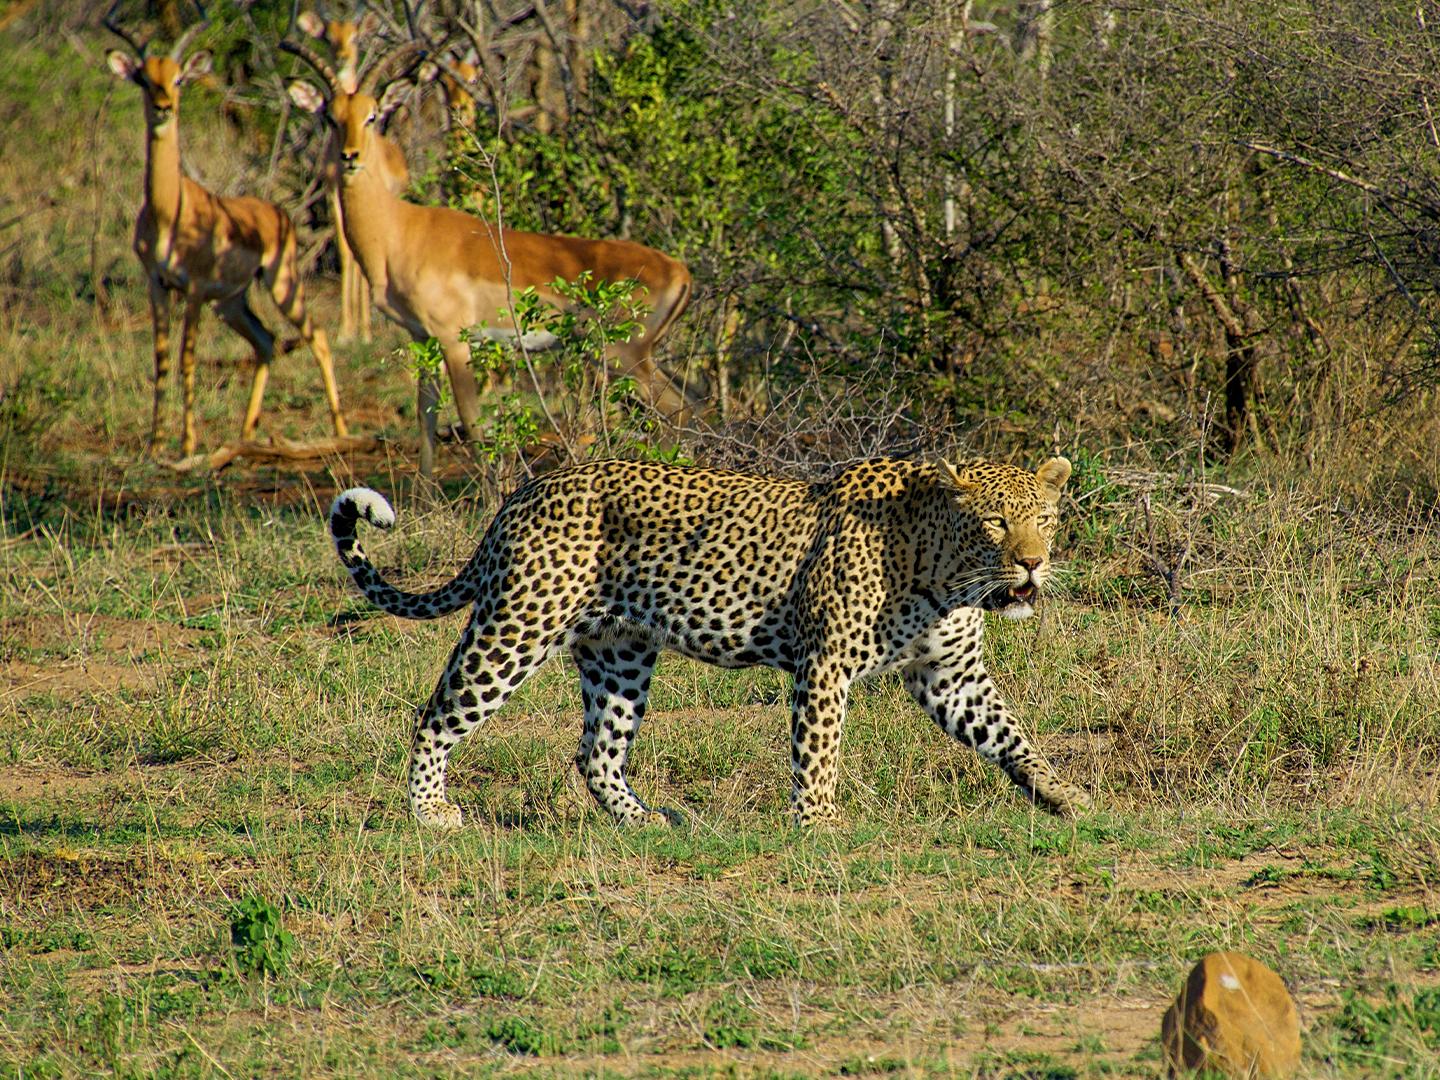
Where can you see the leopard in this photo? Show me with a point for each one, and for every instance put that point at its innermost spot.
(889, 565)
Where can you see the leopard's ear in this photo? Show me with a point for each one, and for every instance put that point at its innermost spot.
(949, 477)
(1053, 474)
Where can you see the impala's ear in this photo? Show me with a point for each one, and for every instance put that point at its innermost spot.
(123, 64)
(1053, 474)
(394, 96)
(198, 65)
(369, 23)
(305, 96)
(311, 23)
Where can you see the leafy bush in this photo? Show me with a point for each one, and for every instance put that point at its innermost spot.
(262, 946)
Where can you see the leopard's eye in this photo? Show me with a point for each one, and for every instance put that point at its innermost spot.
(994, 521)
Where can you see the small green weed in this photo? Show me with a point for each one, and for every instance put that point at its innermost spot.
(1404, 918)
(520, 1036)
(262, 946)
(1399, 1034)
(728, 1023)
(870, 1065)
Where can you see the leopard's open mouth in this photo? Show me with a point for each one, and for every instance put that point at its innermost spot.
(1022, 594)
(1013, 596)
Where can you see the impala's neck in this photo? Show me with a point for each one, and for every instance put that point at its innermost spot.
(368, 207)
(162, 172)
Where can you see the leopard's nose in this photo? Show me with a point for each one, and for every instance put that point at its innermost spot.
(1029, 562)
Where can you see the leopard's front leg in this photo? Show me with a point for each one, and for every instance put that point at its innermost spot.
(817, 715)
(951, 684)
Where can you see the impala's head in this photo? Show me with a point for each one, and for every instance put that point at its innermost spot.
(343, 36)
(459, 76)
(355, 114)
(159, 77)
(355, 117)
(1003, 519)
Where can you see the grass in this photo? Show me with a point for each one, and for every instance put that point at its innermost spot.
(244, 745)
(207, 867)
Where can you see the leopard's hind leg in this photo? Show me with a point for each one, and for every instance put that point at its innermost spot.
(496, 653)
(615, 684)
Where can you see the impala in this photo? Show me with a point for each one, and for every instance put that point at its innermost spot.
(344, 36)
(437, 271)
(207, 248)
(457, 78)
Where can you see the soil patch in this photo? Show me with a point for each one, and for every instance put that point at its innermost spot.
(88, 880)
(106, 634)
(23, 783)
(99, 653)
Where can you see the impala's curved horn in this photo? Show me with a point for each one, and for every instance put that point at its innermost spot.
(315, 60)
(393, 62)
(124, 35)
(412, 18)
(177, 51)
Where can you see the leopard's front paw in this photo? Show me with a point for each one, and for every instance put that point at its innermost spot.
(439, 815)
(821, 816)
(663, 815)
(1061, 798)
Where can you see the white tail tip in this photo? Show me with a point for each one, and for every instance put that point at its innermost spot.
(370, 505)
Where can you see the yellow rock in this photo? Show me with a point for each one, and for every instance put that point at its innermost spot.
(1233, 1015)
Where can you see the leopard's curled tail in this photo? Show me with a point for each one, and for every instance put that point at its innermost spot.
(356, 503)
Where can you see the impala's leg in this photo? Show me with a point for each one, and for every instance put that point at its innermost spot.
(614, 683)
(427, 408)
(193, 307)
(160, 315)
(236, 314)
(951, 684)
(633, 357)
(817, 715)
(362, 299)
(463, 384)
(347, 264)
(355, 293)
(289, 296)
(655, 386)
(495, 654)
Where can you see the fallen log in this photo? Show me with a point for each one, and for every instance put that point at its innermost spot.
(277, 448)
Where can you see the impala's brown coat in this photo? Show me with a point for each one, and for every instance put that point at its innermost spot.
(437, 271)
(209, 249)
(343, 36)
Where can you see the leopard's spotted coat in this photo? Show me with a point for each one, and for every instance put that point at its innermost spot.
(888, 566)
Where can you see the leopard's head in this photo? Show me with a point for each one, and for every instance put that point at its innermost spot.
(1004, 519)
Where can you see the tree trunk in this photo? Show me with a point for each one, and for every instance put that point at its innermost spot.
(1243, 330)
